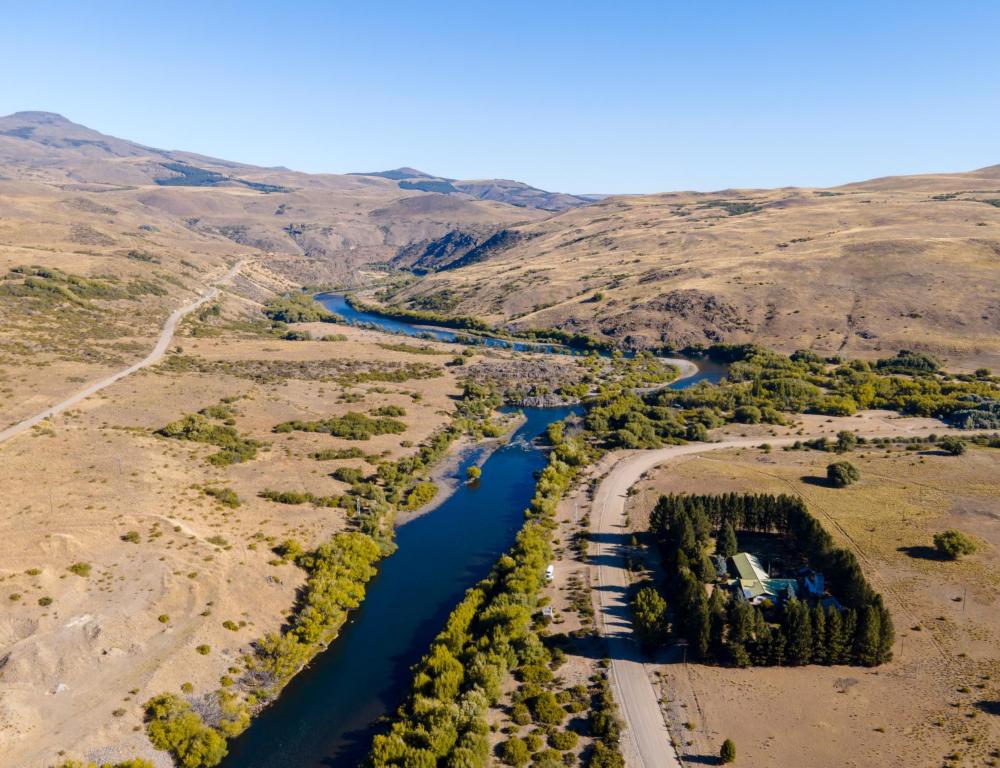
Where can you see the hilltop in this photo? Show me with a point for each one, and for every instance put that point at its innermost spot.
(859, 270)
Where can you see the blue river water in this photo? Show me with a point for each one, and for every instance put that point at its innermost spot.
(327, 715)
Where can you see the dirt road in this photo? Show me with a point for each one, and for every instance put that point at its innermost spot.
(166, 336)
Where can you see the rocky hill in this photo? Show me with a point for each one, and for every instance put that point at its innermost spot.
(904, 262)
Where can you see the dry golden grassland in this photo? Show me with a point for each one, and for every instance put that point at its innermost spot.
(860, 270)
(937, 701)
(168, 564)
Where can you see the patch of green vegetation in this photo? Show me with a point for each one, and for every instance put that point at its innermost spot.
(49, 284)
(349, 475)
(298, 308)
(300, 497)
(952, 544)
(80, 569)
(173, 726)
(411, 349)
(332, 454)
(350, 426)
(234, 448)
(422, 493)
(225, 496)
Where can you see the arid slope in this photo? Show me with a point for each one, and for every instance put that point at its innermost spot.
(909, 262)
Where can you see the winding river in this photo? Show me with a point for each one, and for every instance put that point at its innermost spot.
(326, 716)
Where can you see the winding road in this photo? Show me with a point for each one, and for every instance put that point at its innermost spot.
(646, 740)
(166, 336)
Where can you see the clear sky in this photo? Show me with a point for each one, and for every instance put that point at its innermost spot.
(574, 96)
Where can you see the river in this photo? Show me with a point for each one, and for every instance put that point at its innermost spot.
(326, 716)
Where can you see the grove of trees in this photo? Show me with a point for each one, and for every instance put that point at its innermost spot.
(721, 629)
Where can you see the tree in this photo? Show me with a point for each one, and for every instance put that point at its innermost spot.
(473, 473)
(649, 611)
(953, 544)
(952, 445)
(868, 641)
(727, 546)
(728, 752)
(841, 474)
(798, 631)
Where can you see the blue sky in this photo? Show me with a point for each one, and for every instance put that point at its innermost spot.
(572, 96)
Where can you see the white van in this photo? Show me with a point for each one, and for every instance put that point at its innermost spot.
(550, 572)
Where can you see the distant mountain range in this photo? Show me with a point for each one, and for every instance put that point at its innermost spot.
(500, 190)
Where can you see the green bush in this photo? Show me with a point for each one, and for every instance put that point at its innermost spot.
(235, 449)
(952, 445)
(297, 308)
(173, 726)
(546, 709)
(351, 426)
(841, 474)
(954, 544)
(563, 740)
(80, 569)
(421, 494)
(728, 751)
(515, 752)
(349, 475)
(225, 496)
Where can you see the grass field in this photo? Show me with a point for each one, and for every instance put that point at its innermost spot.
(936, 703)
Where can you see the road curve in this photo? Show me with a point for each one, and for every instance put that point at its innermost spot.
(646, 740)
(166, 336)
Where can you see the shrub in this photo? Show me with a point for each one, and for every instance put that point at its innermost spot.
(952, 445)
(953, 544)
(225, 496)
(546, 709)
(473, 473)
(44, 601)
(80, 569)
(173, 726)
(132, 537)
(519, 714)
(728, 752)
(841, 474)
(563, 740)
(421, 494)
(349, 475)
(203, 649)
(748, 414)
(351, 426)
(234, 448)
(514, 752)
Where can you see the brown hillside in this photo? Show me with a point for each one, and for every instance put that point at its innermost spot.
(909, 262)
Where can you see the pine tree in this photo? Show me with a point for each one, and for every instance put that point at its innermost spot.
(818, 621)
(834, 636)
(777, 649)
(798, 632)
(887, 636)
(700, 630)
(850, 620)
(738, 655)
(868, 637)
(726, 545)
